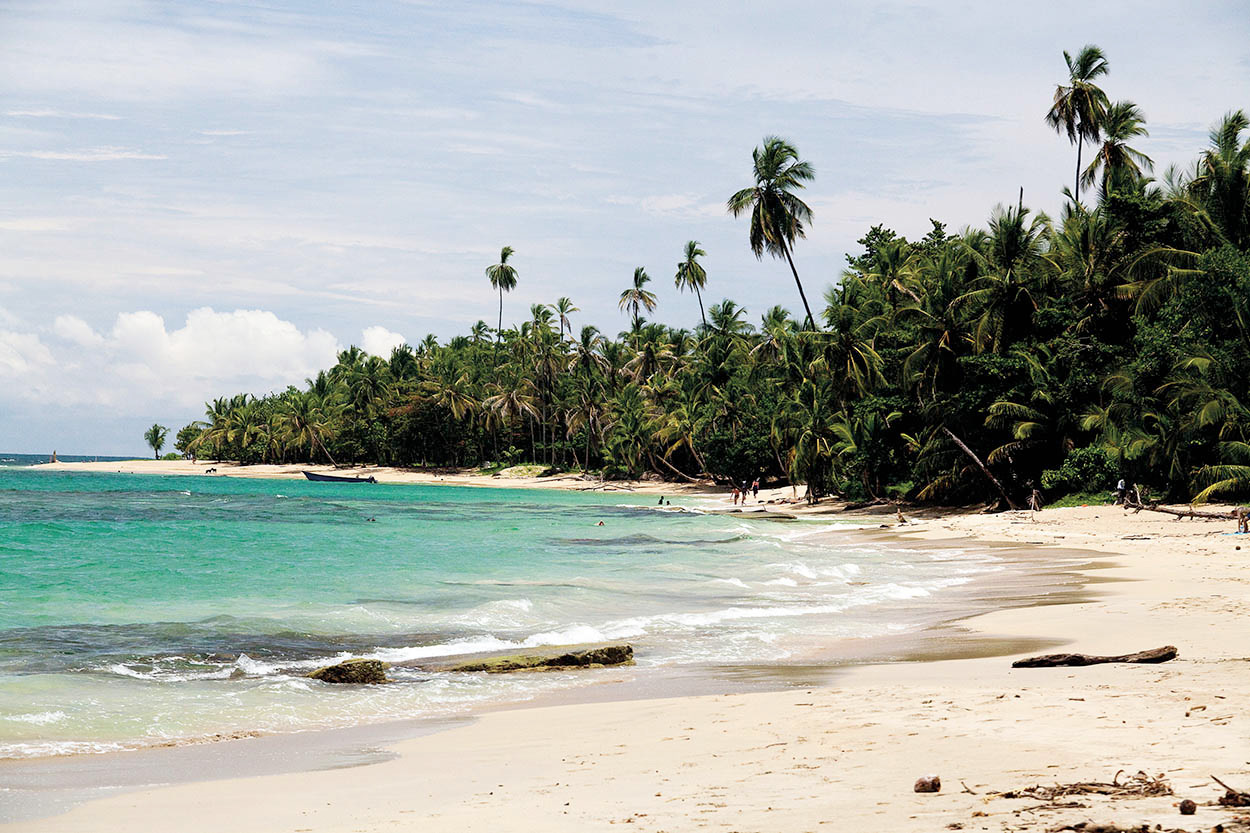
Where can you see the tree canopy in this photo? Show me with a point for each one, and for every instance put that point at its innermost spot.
(1056, 353)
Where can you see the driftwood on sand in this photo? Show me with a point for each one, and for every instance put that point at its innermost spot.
(1154, 655)
(1188, 512)
(1232, 797)
(1140, 785)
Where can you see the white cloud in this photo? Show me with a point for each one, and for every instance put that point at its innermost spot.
(22, 355)
(74, 329)
(60, 114)
(107, 56)
(102, 154)
(141, 363)
(673, 205)
(35, 224)
(379, 341)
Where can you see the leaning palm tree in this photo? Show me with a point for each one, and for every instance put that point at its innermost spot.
(503, 278)
(1079, 107)
(777, 214)
(692, 275)
(1118, 163)
(155, 438)
(636, 298)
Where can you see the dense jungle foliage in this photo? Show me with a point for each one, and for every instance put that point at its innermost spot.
(1052, 353)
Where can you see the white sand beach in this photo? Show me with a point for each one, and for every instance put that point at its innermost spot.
(844, 756)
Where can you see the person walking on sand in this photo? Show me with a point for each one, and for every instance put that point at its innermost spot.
(755, 488)
(736, 493)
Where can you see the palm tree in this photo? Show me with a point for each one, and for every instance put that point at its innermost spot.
(1222, 183)
(1004, 293)
(564, 308)
(777, 214)
(308, 420)
(636, 298)
(155, 438)
(1079, 107)
(503, 278)
(1118, 163)
(692, 275)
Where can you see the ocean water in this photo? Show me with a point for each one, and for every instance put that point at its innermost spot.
(138, 610)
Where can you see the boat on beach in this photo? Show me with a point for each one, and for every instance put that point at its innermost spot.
(334, 478)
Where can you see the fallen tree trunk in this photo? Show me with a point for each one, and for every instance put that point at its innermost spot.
(1182, 513)
(1167, 652)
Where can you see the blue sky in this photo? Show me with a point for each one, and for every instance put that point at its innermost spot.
(199, 198)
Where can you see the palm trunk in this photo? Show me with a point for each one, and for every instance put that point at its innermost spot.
(811, 322)
(702, 314)
(981, 466)
(1076, 194)
(326, 450)
(658, 458)
(499, 329)
(698, 458)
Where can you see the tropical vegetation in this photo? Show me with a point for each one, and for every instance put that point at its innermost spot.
(1035, 352)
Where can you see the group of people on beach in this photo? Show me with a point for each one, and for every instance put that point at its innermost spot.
(740, 494)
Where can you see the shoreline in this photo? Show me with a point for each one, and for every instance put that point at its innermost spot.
(857, 757)
(383, 474)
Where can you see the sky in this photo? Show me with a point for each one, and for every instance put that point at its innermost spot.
(209, 197)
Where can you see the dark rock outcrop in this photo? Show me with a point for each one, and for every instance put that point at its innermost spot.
(356, 671)
(593, 658)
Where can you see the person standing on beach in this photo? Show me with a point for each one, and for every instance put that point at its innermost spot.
(755, 488)
(736, 493)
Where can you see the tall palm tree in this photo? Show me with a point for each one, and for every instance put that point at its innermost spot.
(1078, 108)
(636, 298)
(503, 278)
(692, 275)
(777, 214)
(155, 438)
(564, 308)
(1118, 163)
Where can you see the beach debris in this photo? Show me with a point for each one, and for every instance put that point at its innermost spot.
(1140, 785)
(593, 658)
(1232, 797)
(1164, 654)
(1090, 827)
(1188, 807)
(1189, 512)
(928, 784)
(353, 671)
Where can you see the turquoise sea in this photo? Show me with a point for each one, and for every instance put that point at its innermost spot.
(138, 610)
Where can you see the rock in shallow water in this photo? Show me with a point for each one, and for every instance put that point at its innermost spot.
(594, 658)
(356, 671)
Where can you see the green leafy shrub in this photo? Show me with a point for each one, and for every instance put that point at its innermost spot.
(1087, 469)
